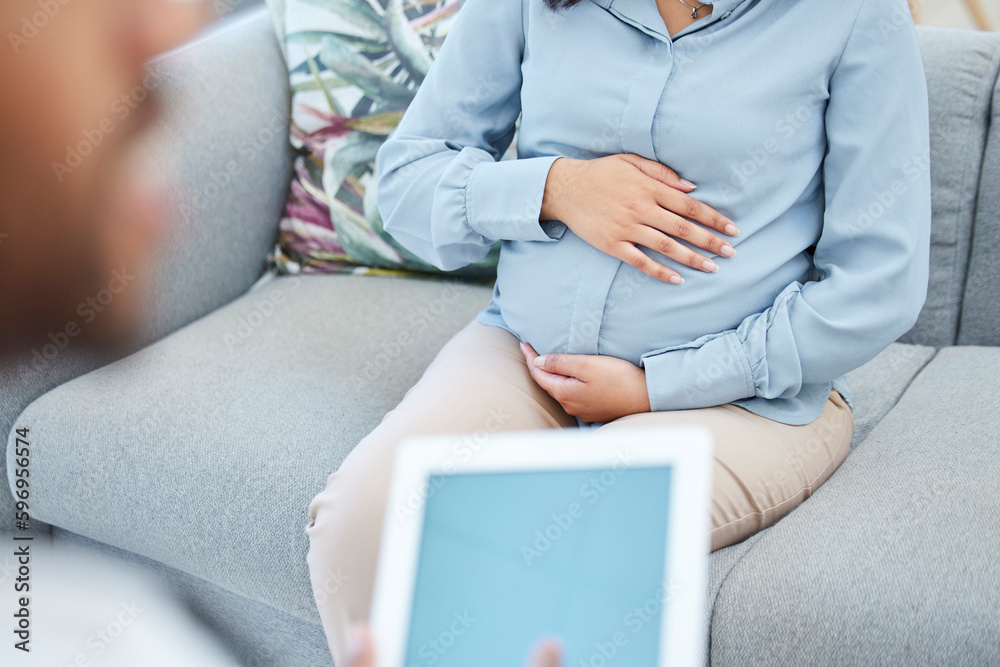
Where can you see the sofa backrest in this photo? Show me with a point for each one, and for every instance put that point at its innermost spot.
(962, 68)
(980, 323)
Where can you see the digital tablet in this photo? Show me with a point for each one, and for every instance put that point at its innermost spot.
(494, 542)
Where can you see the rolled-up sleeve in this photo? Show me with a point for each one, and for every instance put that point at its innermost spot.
(442, 191)
(872, 256)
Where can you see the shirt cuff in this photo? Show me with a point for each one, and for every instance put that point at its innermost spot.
(503, 200)
(713, 370)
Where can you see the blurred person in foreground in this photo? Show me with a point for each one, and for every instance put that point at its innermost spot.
(361, 651)
(78, 223)
(78, 217)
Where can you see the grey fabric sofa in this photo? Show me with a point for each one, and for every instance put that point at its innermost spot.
(196, 458)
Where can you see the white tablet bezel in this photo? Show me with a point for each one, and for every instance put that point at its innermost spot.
(687, 449)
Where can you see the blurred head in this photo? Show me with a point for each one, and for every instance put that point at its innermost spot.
(76, 218)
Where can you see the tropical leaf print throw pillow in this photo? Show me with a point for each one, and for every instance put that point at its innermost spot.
(354, 67)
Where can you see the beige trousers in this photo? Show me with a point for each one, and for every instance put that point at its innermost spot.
(479, 384)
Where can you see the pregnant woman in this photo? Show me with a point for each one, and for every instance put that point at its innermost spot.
(716, 212)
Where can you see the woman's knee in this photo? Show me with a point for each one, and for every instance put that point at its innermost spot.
(328, 522)
(346, 519)
(763, 468)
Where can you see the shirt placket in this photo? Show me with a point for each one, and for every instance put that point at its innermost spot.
(651, 76)
(650, 80)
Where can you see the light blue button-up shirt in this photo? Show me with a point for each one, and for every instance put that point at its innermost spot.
(805, 122)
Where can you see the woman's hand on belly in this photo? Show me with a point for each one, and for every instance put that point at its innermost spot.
(617, 202)
(595, 388)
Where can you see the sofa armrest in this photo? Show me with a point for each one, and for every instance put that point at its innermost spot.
(222, 148)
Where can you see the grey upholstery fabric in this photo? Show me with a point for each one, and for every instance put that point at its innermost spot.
(215, 252)
(981, 306)
(893, 560)
(720, 565)
(961, 67)
(876, 386)
(204, 450)
(224, 148)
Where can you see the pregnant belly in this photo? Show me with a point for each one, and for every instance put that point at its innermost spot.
(568, 297)
(537, 284)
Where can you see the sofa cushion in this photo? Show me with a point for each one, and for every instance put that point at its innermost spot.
(893, 560)
(961, 68)
(204, 450)
(876, 386)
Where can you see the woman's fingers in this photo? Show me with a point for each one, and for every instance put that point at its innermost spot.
(554, 384)
(672, 226)
(664, 244)
(618, 202)
(567, 365)
(686, 206)
(361, 652)
(361, 648)
(660, 172)
(673, 197)
(637, 258)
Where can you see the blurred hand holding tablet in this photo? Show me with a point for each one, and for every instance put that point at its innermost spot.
(598, 538)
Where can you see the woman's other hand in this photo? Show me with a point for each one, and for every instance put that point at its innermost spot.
(362, 652)
(595, 388)
(617, 202)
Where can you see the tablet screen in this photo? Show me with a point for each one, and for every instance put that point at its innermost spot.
(508, 558)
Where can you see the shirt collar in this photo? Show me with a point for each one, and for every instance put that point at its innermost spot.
(644, 15)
